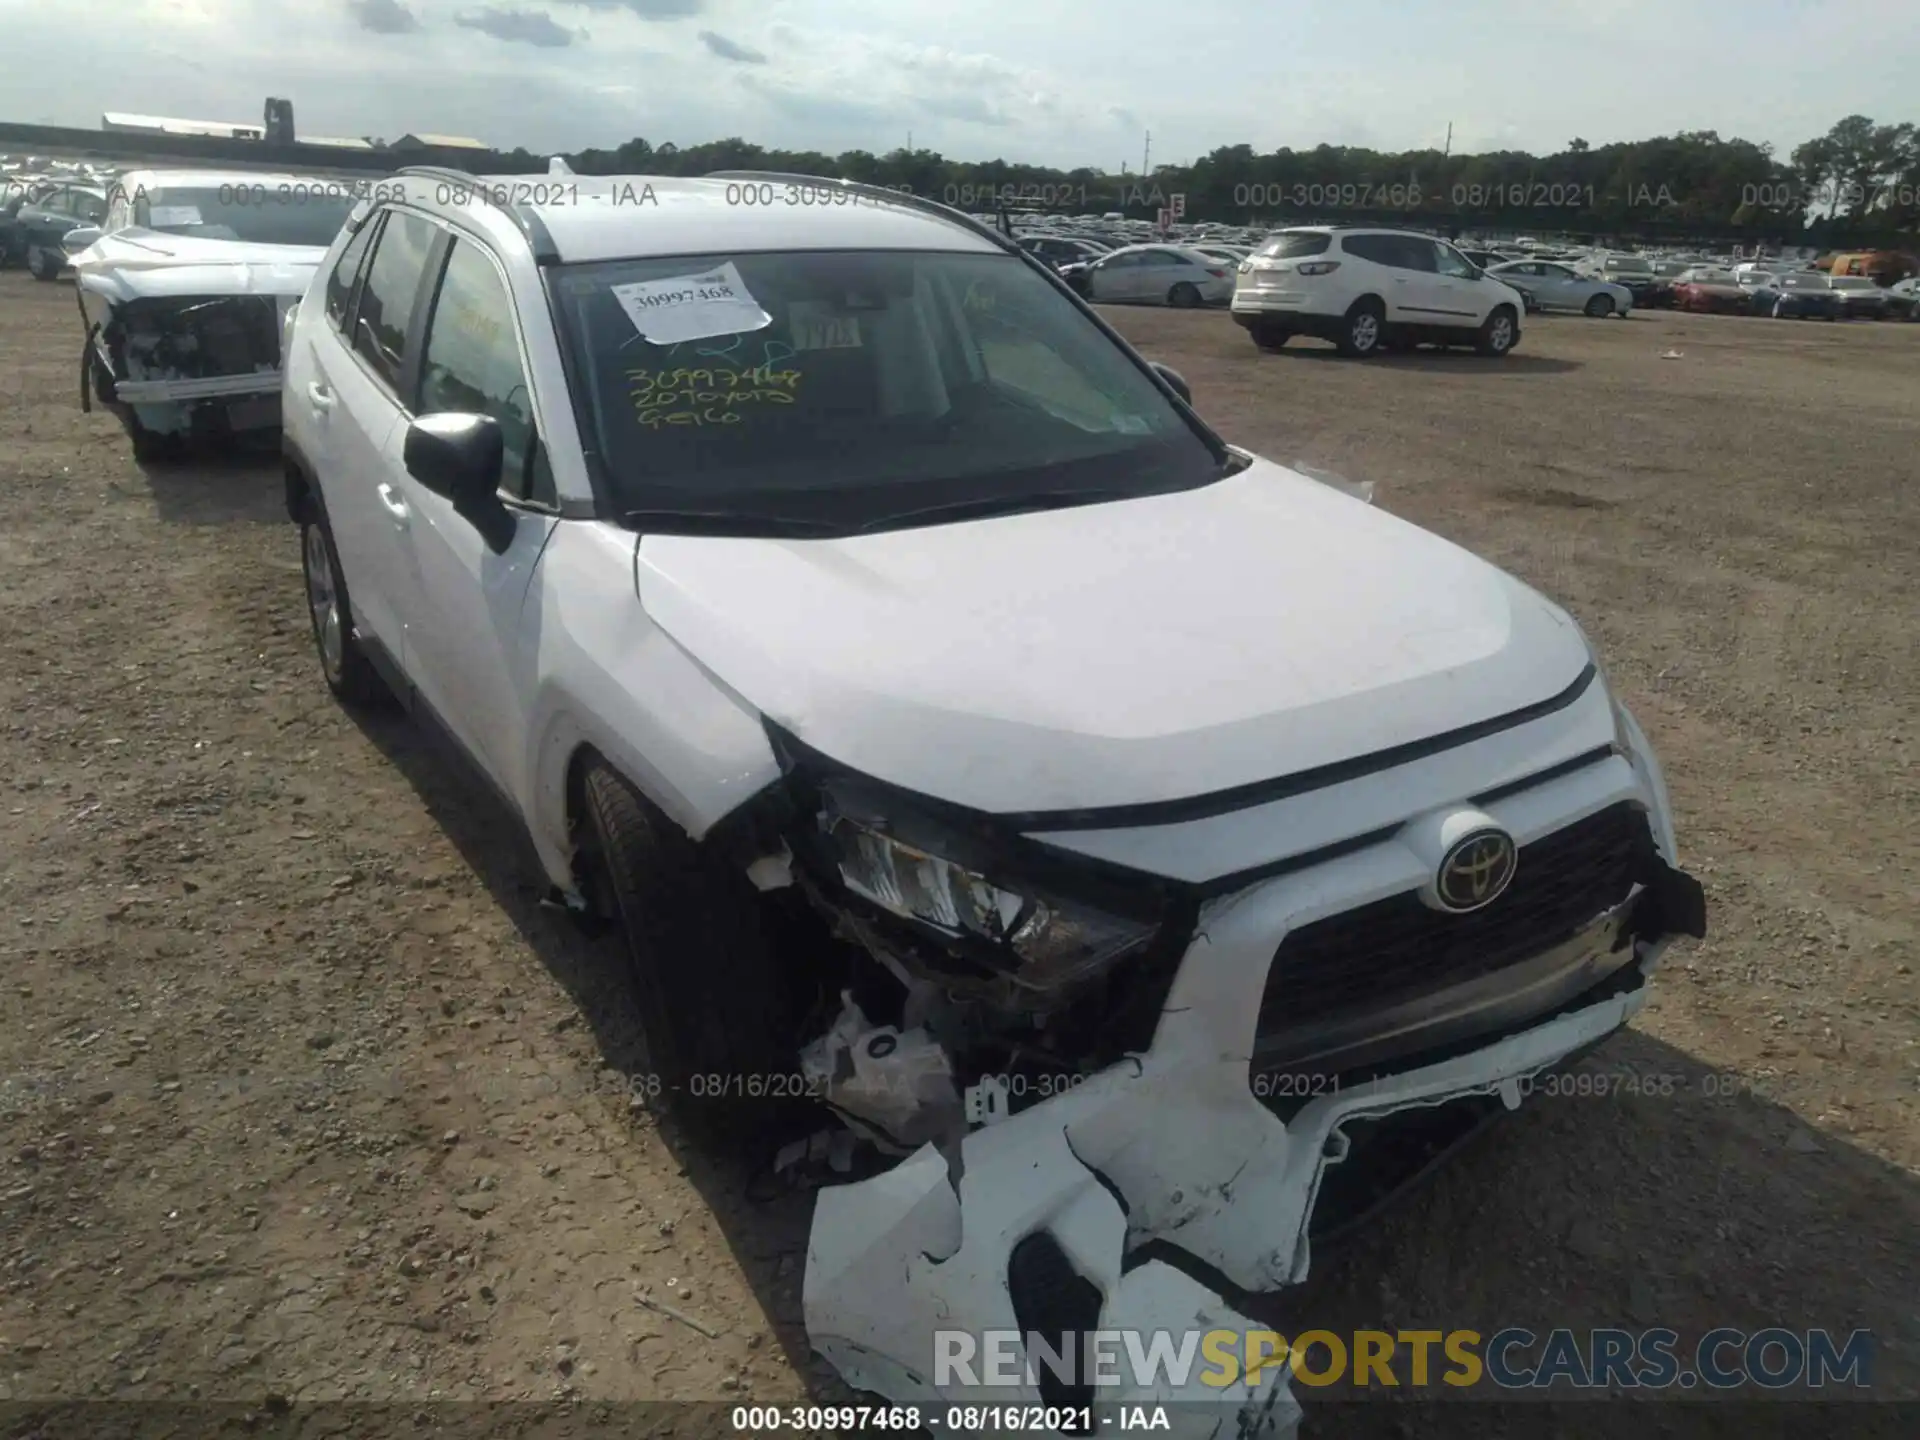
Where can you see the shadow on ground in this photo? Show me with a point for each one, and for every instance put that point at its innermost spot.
(764, 1226)
(219, 487)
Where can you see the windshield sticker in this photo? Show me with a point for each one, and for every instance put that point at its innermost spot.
(707, 397)
(163, 215)
(815, 326)
(692, 307)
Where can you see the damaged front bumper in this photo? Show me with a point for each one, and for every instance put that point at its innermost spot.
(1194, 1167)
(196, 365)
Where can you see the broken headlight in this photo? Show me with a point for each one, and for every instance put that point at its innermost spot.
(1040, 943)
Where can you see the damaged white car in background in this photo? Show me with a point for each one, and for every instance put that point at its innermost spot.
(1159, 853)
(183, 291)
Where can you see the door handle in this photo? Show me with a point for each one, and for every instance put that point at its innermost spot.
(320, 395)
(395, 503)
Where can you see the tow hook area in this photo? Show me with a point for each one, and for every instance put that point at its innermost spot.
(904, 1298)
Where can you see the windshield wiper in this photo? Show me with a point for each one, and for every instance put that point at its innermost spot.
(732, 522)
(988, 508)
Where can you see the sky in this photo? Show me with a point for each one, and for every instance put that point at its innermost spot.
(1041, 81)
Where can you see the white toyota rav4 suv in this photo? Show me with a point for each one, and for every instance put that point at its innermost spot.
(1119, 828)
(1367, 290)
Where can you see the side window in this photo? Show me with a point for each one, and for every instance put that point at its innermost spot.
(1452, 262)
(386, 298)
(471, 363)
(120, 211)
(1410, 252)
(347, 270)
(1368, 247)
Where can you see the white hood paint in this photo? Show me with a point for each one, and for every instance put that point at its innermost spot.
(136, 263)
(1113, 654)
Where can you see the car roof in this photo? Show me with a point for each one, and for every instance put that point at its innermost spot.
(634, 217)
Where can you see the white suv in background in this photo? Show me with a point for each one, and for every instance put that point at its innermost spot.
(1124, 831)
(1368, 290)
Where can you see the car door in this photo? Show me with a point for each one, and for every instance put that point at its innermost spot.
(1559, 288)
(1460, 298)
(467, 654)
(352, 393)
(1524, 276)
(1413, 296)
(43, 222)
(1115, 277)
(1161, 270)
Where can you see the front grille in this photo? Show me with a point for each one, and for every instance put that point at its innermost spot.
(1398, 949)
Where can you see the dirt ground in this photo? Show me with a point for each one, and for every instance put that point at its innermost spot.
(303, 1094)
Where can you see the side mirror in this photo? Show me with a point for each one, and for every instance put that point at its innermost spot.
(1174, 378)
(458, 456)
(79, 238)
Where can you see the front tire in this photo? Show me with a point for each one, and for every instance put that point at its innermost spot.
(1363, 330)
(1600, 306)
(349, 673)
(39, 266)
(1499, 332)
(706, 979)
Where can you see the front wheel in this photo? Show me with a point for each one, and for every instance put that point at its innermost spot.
(714, 1005)
(1363, 331)
(40, 266)
(1183, 296)
(1498, 333)
(1600, 306)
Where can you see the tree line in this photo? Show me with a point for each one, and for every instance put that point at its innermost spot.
(1859, 184)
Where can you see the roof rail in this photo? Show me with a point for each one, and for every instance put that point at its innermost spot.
(875, 192)
(545, 252)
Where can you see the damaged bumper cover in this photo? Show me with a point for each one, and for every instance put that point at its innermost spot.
(187, 344)
(1193, 1167)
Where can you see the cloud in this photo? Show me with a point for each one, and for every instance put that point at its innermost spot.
(731, 49)
(384, 17)
(647, 9)
(520, 27)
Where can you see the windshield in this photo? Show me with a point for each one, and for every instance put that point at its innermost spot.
(257, 214)
(1851, 282)
(1628, 265)
(830, 392)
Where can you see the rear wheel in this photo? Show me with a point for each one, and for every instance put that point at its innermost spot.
(349, 674)
(1363, 330)
(1600, 306)
(40, 265)
(1183, 296)
(1498, 332)
(711, 995)
(1270, 338)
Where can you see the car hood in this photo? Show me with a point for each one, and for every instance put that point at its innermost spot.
(134, 263)
(1114, 654)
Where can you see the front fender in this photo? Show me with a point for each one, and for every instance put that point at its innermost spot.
(608, 678)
